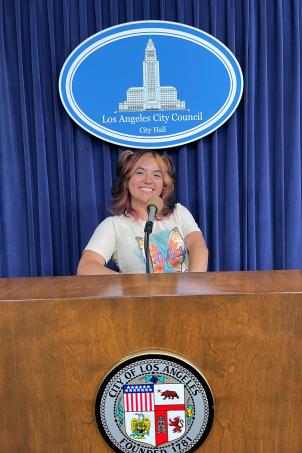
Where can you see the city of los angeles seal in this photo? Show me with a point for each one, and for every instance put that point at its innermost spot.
(154, 403)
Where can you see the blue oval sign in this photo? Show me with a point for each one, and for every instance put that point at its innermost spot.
(151, 84)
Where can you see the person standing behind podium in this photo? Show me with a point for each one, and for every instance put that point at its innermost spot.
(176, 243)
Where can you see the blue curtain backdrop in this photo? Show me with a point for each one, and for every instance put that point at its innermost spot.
(242, 183)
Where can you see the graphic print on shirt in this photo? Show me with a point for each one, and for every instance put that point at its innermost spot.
(167, 249)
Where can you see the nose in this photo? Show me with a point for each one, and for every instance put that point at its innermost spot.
(148, 178)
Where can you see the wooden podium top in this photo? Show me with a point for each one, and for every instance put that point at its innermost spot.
(142, 285)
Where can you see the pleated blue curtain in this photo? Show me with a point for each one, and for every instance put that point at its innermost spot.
(242, 183)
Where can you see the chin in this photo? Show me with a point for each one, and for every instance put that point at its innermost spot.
(147, 196)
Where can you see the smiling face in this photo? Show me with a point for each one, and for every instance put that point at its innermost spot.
(145, 182)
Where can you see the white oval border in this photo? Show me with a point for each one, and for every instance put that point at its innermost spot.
(142, 142)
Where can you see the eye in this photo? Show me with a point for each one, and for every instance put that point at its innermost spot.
(157, 175)
(139, 172)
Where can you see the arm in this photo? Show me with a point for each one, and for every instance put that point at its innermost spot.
(198, 252)
(91, 263)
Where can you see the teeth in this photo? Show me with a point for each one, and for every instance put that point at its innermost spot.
(145, 189)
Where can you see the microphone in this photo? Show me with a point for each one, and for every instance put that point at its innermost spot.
(155, 204)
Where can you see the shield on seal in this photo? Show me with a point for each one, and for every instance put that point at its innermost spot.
(154, 413)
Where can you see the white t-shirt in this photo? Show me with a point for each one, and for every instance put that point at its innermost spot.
(121, 239)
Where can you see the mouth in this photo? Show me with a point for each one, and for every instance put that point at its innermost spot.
(146, 189)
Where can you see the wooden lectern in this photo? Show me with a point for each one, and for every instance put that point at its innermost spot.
(61, 335)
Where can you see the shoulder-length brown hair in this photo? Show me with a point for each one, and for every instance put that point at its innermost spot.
(125, 167)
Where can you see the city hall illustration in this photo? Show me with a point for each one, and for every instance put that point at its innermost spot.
(151, 96)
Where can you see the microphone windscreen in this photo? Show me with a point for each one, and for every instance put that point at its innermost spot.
(157, 202)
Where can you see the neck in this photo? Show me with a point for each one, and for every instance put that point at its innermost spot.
(139, 215)
(139, 211)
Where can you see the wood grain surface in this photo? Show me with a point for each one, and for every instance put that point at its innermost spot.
(60, 336)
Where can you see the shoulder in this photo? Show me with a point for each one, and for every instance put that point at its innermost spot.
(178, 212)
(106, 222)
(180, 209)
(107, 225)
(116, 222)
(186, 219)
